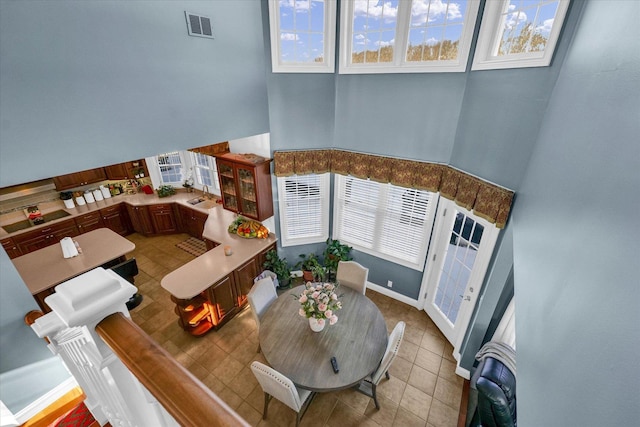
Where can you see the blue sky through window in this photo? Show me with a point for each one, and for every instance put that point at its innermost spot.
(301, 30)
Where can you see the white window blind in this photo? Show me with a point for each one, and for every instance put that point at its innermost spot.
(304, 208)
(384, 220)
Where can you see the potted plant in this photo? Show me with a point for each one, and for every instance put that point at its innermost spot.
(335, 252)
(310, 264)
(279, 266)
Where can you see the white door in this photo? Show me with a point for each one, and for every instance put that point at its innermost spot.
(457, 262)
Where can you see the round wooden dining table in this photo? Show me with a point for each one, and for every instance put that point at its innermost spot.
(357, 341)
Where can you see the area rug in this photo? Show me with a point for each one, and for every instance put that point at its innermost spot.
(77, 417)
(195, 247)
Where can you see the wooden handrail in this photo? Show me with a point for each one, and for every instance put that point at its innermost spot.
(190, 402)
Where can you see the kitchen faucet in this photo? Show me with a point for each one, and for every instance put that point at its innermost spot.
(205, 192)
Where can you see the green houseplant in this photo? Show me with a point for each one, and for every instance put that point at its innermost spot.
(335, 252)
(166, 191)
(279, 266)
(311, 267)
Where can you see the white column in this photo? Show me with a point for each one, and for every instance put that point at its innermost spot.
(113, 393)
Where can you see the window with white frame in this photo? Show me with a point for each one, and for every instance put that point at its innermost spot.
(171, 167)
(406, 36)
(304, 208)
(384, 220)
(302, 35)
(519, 33)
(205, 171)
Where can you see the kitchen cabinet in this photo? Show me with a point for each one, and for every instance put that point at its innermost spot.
(140, 219)
(223, 300)
(128, 170)
(195, 315)
(46, 236)
(11, 248)
(115, 218)
(163, 219)
(78, 179)
(89, 222)
(245, 184)
(243, 277)
(261, 258)
(192, 221)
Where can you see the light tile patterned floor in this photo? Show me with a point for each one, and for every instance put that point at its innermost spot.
(423, 389)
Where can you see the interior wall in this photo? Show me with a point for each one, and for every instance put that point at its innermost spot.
(87, 84)
(576, 235)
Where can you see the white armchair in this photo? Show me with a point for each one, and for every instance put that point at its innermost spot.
(274, 384)
(261, 296)
(353, 275)
(369, 384)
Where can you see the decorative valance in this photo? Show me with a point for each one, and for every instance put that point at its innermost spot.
(486, 200)
(213, 149)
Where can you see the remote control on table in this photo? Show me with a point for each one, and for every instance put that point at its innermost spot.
(334, 364)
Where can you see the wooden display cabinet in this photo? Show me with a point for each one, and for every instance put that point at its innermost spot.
(245, 184)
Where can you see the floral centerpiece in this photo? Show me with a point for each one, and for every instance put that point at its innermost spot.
(319, 303)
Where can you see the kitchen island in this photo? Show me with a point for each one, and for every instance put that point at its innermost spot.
(212, 288)
(46, 268)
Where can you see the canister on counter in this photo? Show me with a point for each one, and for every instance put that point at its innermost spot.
(88, 196)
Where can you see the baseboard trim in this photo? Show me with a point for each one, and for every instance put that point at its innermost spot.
(391, 294)
(43, 402)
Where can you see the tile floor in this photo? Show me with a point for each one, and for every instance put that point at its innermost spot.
(423, 389)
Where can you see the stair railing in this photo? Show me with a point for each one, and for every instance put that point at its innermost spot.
(129, 380)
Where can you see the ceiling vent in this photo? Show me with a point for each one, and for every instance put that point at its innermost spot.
(198, 26)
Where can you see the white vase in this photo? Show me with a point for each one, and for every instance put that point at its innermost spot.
(316, 325)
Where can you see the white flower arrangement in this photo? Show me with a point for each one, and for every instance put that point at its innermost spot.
(320, 301)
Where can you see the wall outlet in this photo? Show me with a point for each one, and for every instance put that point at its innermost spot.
(389, 283)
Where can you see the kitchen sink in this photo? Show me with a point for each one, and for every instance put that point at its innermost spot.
(196, 200)
(206, 204)
(24, 224)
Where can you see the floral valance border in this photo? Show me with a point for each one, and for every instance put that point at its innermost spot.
(486, 200)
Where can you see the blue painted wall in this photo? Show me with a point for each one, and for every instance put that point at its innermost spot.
(87, 84)
(576, 235)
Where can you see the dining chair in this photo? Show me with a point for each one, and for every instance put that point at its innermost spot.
(274, 384)
(353, 275)
(261, 296)
(369, 384)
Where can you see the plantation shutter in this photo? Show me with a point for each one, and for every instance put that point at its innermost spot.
(384, 220)
(304, 208)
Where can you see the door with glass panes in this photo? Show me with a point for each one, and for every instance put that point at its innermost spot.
(457, 262)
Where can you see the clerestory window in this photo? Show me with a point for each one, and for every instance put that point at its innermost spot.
(302, 35)
(406, 36)
(519, 33)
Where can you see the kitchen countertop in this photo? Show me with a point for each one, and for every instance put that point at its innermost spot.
(98, 247)
(196, 276)
(138, 199)
(193, 277)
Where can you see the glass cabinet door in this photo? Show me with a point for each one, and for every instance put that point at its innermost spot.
(247, 189)
(228, 186)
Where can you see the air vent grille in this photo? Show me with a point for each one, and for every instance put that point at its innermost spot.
(198, 26)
